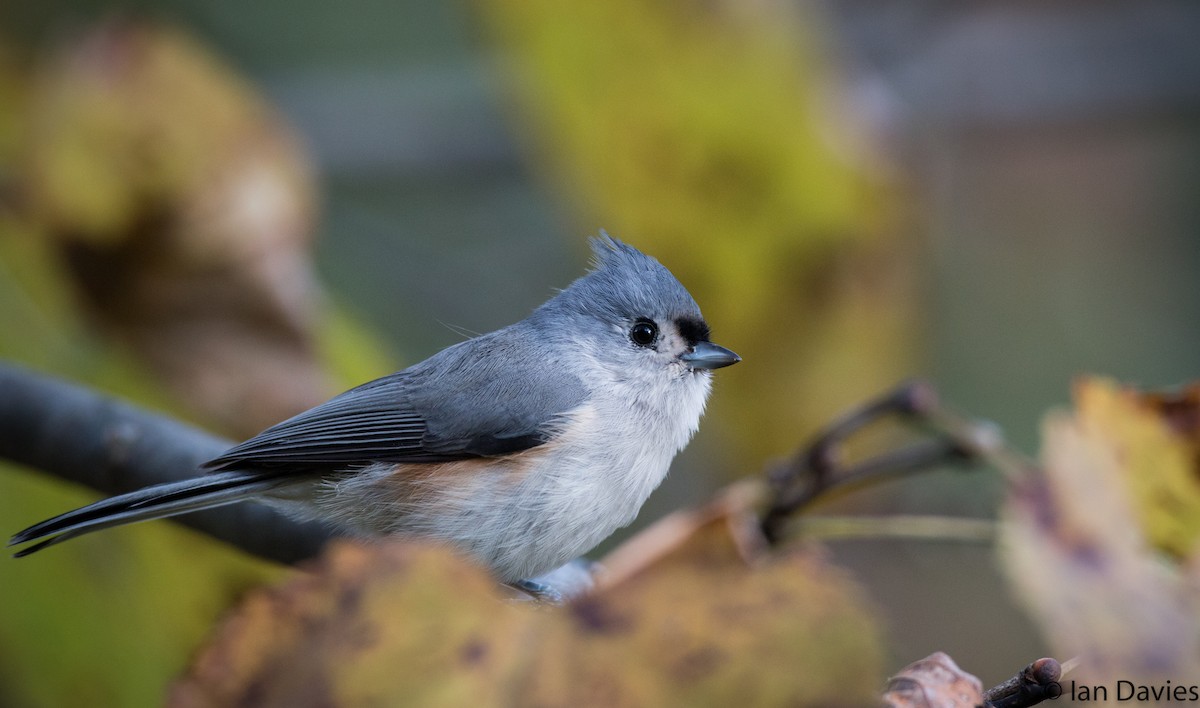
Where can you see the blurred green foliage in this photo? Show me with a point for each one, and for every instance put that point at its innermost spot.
(701, 135)
(710, 134)
(703, 132)
(108, 620)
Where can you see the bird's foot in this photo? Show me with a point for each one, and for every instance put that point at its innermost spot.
(541, 592)
(561, 584)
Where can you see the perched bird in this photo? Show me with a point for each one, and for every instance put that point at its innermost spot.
(523, 448)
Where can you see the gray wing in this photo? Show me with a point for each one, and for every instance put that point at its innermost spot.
(487, 396)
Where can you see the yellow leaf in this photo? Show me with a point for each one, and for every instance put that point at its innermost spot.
(690, 615)
(1079, 542)
(1157, 464)
(699, 615)
(392, 624)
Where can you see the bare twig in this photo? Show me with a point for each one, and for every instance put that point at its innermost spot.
(906, 526)
(815, 473)
(1030, 686)
(114, 447)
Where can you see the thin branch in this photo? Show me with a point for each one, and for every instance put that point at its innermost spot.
(927, 528)
(114, 447)
(816, 473)
(1030, 686)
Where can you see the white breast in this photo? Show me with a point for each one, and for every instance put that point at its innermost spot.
(529, 513)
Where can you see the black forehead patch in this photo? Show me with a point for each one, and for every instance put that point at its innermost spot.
(692, 330)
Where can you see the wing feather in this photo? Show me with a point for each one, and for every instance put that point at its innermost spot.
(479, 398)
(371, 423)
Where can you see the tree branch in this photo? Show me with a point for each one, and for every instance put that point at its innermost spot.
(1030, 686)
(114, 447)
(816, 471)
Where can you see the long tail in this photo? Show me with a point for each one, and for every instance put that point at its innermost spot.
(159, 501)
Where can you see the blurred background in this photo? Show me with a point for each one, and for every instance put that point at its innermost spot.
(230, 211)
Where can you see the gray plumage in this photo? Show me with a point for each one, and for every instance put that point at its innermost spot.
(523, 447)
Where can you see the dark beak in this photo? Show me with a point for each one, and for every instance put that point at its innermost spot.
(706, 355)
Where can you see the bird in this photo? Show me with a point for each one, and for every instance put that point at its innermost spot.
(522, 448)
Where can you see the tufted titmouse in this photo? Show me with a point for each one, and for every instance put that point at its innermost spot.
(523, 448)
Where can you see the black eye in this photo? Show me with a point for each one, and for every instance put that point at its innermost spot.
(643, 333)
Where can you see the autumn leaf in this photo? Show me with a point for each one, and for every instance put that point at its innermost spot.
(1092, 545)
(690, 615)
(933, 682)
(368, 625)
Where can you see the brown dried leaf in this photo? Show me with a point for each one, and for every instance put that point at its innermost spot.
(1180, 409)
(933, 682)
